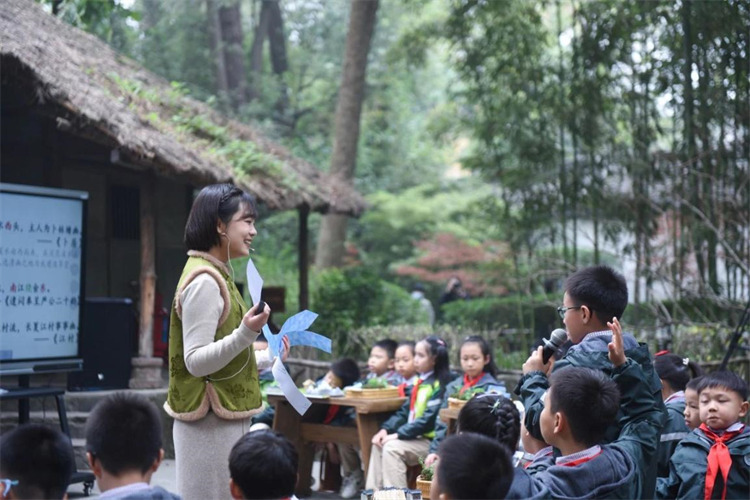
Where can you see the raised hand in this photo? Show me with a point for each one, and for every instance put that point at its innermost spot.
(284, 348)
(616, 347)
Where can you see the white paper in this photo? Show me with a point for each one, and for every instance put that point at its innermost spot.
(298, 400)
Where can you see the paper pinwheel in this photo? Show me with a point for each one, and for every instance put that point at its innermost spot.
(294, 328)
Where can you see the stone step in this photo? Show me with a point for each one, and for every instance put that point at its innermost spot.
(79, 401)
(79, 449)
(78, 406)
(76, 420)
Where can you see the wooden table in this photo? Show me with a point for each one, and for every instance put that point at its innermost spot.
(302, 430)
(450, 417)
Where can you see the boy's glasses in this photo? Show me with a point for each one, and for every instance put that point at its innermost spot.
(7, 484)
(562, 310)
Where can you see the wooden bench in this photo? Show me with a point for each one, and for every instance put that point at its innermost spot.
(304, 430)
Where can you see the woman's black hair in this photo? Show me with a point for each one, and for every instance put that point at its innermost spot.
(490, 367)
(676, 370)
(217, 202)
(493, 415)
(439, 349)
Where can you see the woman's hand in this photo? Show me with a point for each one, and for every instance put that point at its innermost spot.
(378, 438)
(431, 459)
(255, 320)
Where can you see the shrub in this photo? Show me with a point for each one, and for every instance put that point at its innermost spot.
(353, 298)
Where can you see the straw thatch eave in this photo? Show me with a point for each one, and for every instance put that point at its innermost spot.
(95, 92)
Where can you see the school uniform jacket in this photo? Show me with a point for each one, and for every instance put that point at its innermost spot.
(688, 465)
(487, 382)
(592, 353)
(426, 408)
(615, 472)
(674, 431)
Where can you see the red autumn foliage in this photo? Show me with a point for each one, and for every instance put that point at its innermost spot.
(445, 256)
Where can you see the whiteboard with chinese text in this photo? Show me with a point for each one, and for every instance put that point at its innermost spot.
(42, 237)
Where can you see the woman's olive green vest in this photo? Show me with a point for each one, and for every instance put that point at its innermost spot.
(231, 392)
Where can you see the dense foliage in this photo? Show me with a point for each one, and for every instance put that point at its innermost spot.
(508, 142)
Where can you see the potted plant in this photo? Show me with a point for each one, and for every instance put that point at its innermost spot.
(376, 388)
(424, 480)
(458, 399)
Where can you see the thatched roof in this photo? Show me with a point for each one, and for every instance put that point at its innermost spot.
(103, 95)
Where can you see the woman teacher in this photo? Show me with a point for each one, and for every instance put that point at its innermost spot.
(213, 369)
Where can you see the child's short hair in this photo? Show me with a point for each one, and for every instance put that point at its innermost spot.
(263, 464)
(213, 203)
(492, 415)
(474, 466)
(601, 288)
(727, 379)
(484, 346)
(389, 346)
(588, 399)
(408, 343)
(676, 370)
(347, 370)
(124, 433)
(41, 460)
(693, 383)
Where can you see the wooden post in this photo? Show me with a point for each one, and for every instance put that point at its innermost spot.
(304, 258)
(147, 369)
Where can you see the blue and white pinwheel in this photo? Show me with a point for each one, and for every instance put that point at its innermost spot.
(294, 328)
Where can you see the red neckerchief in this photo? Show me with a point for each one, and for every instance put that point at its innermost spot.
(402, 389)
(586, 455)
(414, 391)
(719, 459)
(331, 413)
(469, 382)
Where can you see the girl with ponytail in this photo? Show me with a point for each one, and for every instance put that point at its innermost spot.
(675, 373)
(479, 372)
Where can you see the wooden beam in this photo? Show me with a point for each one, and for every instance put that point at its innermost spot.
(148, 269)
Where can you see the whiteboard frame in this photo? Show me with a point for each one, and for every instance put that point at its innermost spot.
(27, 366)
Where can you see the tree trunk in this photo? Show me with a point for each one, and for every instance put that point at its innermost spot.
(234, 62)
(330, 250)
(214, 28)
(256, 51)
(277, 43)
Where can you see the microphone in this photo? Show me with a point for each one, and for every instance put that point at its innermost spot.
(556, 339)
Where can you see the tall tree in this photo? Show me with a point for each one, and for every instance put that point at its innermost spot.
(362, 18)
(232, 37)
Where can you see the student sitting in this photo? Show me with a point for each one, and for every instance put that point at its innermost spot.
(404, 364)
(263, 464)
(35, 462)
(382, 361)
(593, 296)
(480, 371)
(579, 406)
(674, 372)
(124, 447)
(472, 466)
(406, 435)
(712, 461)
